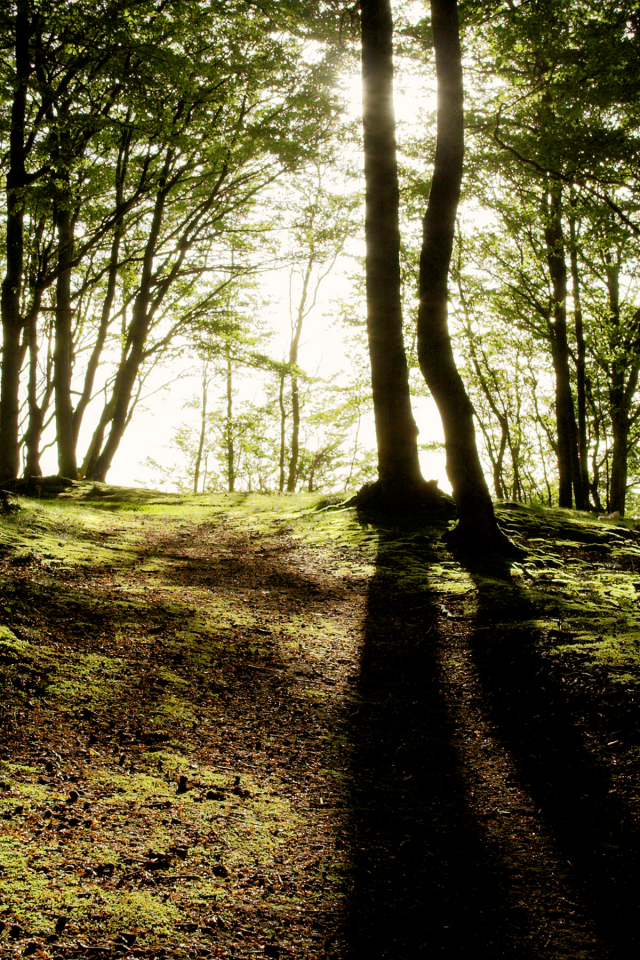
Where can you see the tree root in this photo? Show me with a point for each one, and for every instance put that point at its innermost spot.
(421, 503)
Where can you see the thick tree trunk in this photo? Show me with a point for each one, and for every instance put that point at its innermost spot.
(623, 370)
(396, 432)
(477, 528)
(570, 479)
(619, 467)
(12, 322)
(581, 362)
(63, 350)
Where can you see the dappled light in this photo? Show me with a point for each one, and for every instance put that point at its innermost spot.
(319, 470)
(240, 723)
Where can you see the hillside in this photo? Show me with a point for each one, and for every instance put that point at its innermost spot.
(242, 726)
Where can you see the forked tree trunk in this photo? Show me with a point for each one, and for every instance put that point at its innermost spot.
(12, 322)
(399, 473)
(98, 461)
(477, 528)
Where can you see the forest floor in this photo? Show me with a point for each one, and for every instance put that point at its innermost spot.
(241, 726)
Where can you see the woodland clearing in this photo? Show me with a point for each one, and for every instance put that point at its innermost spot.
(246, 726)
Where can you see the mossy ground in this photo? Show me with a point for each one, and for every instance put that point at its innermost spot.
(255, 726)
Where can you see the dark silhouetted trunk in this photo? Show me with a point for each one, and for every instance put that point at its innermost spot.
(396, 431)
(37, 411)
(569, 475)
(623, 369)
(477, 528)
(12, 322)
(581, 356)
(117, 409)
(107, 304)
(63, 349)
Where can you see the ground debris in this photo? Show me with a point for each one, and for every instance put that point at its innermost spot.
(249, 727)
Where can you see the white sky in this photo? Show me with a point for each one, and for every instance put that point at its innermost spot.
(322, 349)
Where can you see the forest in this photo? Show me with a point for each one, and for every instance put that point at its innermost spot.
(288, 695)
(168, 165)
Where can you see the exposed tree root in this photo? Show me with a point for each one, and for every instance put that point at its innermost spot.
(420, 503)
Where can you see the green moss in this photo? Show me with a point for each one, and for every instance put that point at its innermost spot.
(137, 910)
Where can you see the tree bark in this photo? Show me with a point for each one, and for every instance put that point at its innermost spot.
(568, 460)
(292, 475)
(623, 370)
(581, 360)
(12, 322)
(477, 528)
(283, 420)
(118, 407)
(231, 453)
(203, 430)
(36, 411)
(107, 304)
(63, 348)
(399, 473)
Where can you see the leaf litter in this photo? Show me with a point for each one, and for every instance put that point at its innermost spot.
(243, 726)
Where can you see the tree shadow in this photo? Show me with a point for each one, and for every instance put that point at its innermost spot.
(592, 826)
(424, 882)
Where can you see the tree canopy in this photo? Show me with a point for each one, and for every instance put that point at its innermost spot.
(155, 156)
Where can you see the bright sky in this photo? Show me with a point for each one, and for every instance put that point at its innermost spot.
(322, 349)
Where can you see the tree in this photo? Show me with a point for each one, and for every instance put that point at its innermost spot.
(323, 221)
(16, 183)
(148, 133)
(477, 528)
(400, 484)
(562, 119)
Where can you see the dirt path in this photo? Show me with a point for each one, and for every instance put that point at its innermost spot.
(233, 734)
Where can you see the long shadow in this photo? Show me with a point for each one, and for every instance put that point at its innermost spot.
(423, 883)
(258, 699)
(592, 825)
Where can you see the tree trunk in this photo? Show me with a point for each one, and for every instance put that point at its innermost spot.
(477, 528)
(118, 407)
(12, 322)
(231, 454)
(399, 474)
(623, 369)
(581, 356)
(36, 412)
(618, 485)
(570, 482)
(283, 420)
(63, 349)
(107, 304)
(295, 393)
(203, 430)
